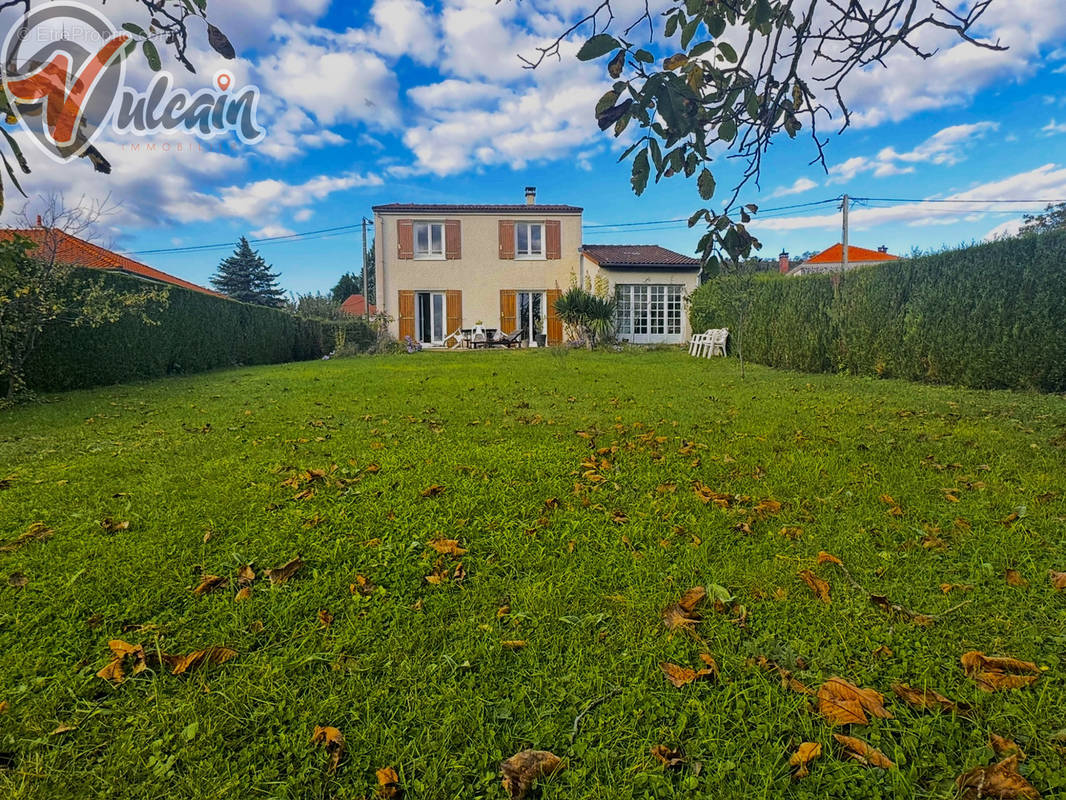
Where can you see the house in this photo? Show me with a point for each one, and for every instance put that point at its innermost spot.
(356, 306)
(73, 251)
(442, 269)
(832, 260)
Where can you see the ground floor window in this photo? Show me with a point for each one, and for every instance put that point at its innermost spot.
(649, 313)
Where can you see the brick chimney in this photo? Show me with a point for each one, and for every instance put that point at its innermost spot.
(786, 263)
(40, 221)
(531, 195)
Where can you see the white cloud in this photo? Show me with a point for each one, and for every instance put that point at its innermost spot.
(1053, 128)
(272, 232)
(799, 187)
(1004, 230)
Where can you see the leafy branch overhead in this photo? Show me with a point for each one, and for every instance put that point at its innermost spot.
(724, 77)
(169, 24)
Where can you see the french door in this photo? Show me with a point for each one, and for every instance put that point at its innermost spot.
(531, 312)
(650, 313)
(431, 310)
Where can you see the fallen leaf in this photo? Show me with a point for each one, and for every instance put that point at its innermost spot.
(515, 644)
(668, 756)
(682, 676)
(791, 532)
(64, 729)
(767, 508)
(683, 614)
(245, 575)
(843, 703)
(120, 651)
(18, 580)
(1014, 578)
(285, 572)
(992, 674)
(243, 595)
(447, 547)
(828, 558)
(37, 532)
(325, 619)
(925, 699)
(804, 755)
(433, 491)
(860, 751)
(882, 652)
(209, 583)
(887, 500)
(333, 740)
(212, 655)
(1010, 519)
(1058, 581)
(997, 781)
(947, 588)
(817, 585)
(362, 586)
(113, 526)
(1004, 747)
(388, 784)
(523, 769)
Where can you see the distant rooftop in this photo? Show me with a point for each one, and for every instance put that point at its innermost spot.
(444, 208)
(632, 256)
(856, 255)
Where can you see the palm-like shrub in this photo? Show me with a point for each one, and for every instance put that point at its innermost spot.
(592, 317)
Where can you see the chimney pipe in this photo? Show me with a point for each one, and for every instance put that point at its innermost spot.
(531, 195)
(883, 248)
(40, 222)
(785, 262)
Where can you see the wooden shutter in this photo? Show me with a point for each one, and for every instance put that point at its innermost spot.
(555, 325)
(406, 307)
(453, 239)
(405, 238)
(553, 239)
(507, 310)
(507, 240)
(454, 300)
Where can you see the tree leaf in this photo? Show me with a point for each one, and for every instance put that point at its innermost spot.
(804, 755)
(993, 674)
(599, 45)
(999, 781)
(817, 585)
(860, 751)
(220, 43)
(641, 172)
(285, 572)
(333, 740)
(522, 770)
(152, 55)
(844, 703)
(706, 184)
(925, 699)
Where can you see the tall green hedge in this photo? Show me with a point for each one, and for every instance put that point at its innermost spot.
(988, 316)
(193, 333)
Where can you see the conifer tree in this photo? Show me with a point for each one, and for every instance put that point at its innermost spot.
(246, 277)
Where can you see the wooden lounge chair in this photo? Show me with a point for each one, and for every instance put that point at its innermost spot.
(513, 339)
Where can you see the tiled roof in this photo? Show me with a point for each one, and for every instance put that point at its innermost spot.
(639, 255)
(856, 255)
(441, 208)
(72, 250)
(356, 306)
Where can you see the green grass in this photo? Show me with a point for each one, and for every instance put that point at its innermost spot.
(415, 676)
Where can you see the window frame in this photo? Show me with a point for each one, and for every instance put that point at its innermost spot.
(429, 255)
(530, 255)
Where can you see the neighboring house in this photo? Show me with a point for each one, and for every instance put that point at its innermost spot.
(832, 260)
(442, 269)
(77, 252)
(356, 306)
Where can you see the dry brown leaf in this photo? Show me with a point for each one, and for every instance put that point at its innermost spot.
(37, 532)
(120, 651)
(114, 526)
(333, 740)
(683, 614)
(804, 755)
(285, 572)
(887, 500)
(948, 588)
(325, 619)
(1014, 578)
(682, 676)
(865, 754)
(667, 756)
(766, 508)
(64, 729)
(828, 558)
(817, 585)
(1058, 581)
(388, 784)
(925, 699)
(1004, 747)
(362, 586)
(18, 580)
(433, 491)
(243, 595)
(992, 674)
(997, 781)
(212, 655)
(245, 575)
(791, 532)
(844, 703)
(208, 584)
(522, 770)
(514, 644)
(447, 547)
(883, 652)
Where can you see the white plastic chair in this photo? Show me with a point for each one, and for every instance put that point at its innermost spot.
(698, 342)
(717, 344)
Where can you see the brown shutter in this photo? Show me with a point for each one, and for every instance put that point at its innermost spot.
(555, 325)
(553, 239)
(507, 240)
(507, 309)
(406, 307)
(453, 239)
(454, 300)
(405, 238)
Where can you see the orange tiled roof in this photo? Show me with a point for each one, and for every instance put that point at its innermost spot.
(856, 255)
(356, 306)
(72, 250)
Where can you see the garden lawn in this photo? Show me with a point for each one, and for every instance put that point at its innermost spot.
(573, 481)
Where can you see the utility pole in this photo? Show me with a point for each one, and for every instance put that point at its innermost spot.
(844, 262)
(366, 286)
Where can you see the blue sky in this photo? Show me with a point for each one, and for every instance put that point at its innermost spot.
(405, 101)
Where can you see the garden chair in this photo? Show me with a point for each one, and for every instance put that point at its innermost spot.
(716, 346)
(695, 345)
(513, 339)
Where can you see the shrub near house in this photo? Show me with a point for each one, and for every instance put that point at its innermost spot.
(989, 316)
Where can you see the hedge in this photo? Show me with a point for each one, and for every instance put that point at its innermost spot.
(193, 333)
(988, 316)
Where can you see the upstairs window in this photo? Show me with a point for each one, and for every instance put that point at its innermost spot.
(529, 239)
(429, 239)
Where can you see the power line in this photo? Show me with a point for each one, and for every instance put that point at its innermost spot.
(265, 240)
(1023, 201)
